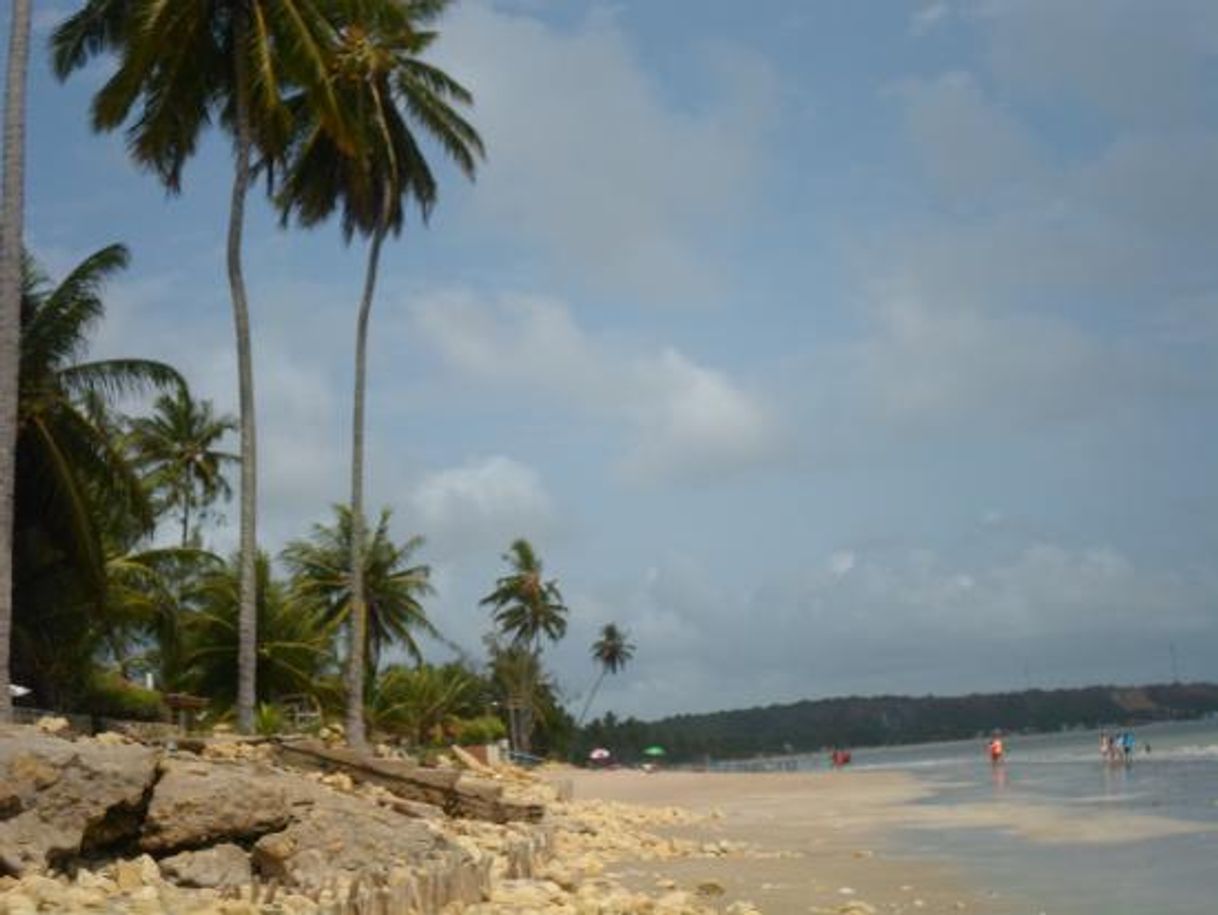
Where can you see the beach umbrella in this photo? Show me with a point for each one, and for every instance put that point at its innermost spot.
(654, 750)
(599, 753)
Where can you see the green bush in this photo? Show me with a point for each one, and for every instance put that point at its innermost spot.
(268, 719)
(109, 695)
(481, 730)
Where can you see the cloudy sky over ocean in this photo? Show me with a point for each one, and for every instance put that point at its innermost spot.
(828, 347)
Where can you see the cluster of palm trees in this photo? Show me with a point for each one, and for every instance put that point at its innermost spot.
(330, 100)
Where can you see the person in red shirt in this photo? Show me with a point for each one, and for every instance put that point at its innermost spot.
(996, 750)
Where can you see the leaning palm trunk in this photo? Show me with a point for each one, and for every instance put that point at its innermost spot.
(247, 634)
(359, 603)
(11, 233)
(592, 695)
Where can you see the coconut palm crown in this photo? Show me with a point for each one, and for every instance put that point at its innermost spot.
(175, 447)
(612, 651)
(321, 579)
(525, 606)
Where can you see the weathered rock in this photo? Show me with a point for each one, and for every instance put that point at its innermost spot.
(222, 865)
(333, 832)
(52, 724)
(68, 798)
(199, 803)
(130, 875)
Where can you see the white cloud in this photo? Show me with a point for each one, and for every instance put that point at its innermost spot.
(901, 620)
(841, 562)
(684, 418)
(485, 501)
(588, 159)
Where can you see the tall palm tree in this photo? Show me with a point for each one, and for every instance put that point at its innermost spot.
(175, 446)
(389, 95)
(181, 66)
(612, 652)
(11, 236)
(321, 580)
(76, 493)
(526, 607)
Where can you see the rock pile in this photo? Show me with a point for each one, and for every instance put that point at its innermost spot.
(109, 825)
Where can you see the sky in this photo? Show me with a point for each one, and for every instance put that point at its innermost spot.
(827, 347)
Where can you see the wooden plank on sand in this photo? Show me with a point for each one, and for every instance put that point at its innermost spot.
(449, 789)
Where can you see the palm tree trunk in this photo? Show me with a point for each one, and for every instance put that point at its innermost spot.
(359, 604)
(185, 520)
(11, 234)
(247, 626)
(592, 695)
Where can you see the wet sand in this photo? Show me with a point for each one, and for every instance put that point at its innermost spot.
(823, 840)
(821, 834)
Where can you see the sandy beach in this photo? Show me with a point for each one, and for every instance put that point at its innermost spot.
(828, 841)
(806, 842)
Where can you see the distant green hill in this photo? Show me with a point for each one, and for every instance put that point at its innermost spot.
(857, 721)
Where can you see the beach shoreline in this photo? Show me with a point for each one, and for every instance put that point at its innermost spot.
(805, 842)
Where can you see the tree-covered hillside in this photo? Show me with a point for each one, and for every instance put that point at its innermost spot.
(856, 721)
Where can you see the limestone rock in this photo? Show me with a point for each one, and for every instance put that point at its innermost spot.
(50, 724)
(337, 832)
(67, 798)
(197, 804)
(221, 865)
(138, 872)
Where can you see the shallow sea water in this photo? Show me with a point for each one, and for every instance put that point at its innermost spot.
(1178, 779)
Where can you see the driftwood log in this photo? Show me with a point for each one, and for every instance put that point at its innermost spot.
(450, 790)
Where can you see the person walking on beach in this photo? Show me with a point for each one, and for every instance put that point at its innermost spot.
(1127, 745)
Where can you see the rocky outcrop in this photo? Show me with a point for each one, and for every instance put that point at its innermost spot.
(330, 831)
(221, 865)
(62, 800)
(231, 832)
(199, 803)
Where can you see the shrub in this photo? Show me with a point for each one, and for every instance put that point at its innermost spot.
(481, 730)
(109, 695)
(268, 719)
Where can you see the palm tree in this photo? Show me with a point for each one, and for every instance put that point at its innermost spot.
(418, 702)
(526, 607)
(76, 494)
(321, 580)
(517, 672)
(185, 65)
(612, 652)
(389, 94)
(11, 238)
(175, 446)
(294, 649)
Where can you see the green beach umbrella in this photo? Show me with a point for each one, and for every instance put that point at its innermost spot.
(653, 751)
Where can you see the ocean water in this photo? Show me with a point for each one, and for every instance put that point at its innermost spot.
(1177, 779)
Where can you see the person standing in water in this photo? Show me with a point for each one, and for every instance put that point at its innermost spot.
(997, 751)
